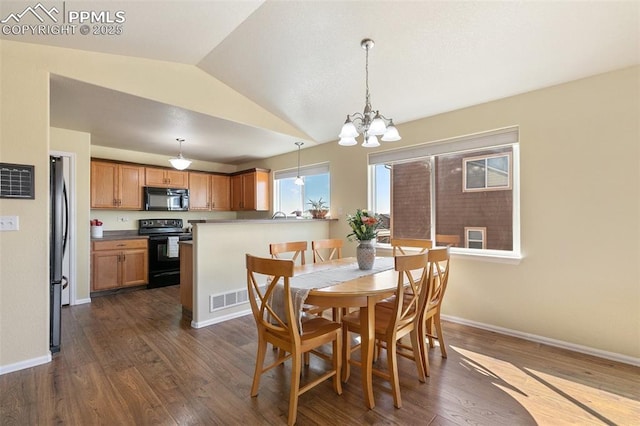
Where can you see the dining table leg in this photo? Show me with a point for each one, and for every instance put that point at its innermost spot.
(367, 344)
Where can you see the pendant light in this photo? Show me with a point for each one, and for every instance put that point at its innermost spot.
(179, 162)
(299, 180)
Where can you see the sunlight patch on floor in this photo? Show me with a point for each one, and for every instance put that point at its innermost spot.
(552, 400)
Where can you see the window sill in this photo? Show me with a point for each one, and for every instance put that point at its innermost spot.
(460, 253)
(487, 256)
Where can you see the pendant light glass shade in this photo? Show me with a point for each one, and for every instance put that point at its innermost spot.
(391, 135)
(348, 130)
(348, 142)
(371, 142)
(377, 126)
(179, 162)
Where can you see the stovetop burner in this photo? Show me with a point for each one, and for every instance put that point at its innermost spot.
(160, 227)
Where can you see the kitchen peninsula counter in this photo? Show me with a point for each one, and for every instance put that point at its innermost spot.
(261, 221)
(219, 270)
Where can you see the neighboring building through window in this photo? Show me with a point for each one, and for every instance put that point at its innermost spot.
(487, 173)
(465, 188)
(474, 237)
(289, 197)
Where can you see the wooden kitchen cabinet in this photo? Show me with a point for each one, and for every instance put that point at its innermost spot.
(166, 178)
(209, 192)
(199, 191)
(116, 185)
(250, 190)
(119, 263)
(220, 192)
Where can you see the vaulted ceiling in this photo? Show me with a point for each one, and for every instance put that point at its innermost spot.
(302, 61)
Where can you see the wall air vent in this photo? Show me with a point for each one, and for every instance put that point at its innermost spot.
(226, 300)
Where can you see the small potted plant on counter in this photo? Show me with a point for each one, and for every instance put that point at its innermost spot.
(319, 208)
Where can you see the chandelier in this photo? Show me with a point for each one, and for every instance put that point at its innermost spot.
(180, 162)
(370, 123)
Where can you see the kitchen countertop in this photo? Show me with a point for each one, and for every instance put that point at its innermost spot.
(121, 235)
(269, 221)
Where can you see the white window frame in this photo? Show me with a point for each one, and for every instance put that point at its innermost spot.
(473, 142)
(482, 240)
(308, 170)
(486, 159)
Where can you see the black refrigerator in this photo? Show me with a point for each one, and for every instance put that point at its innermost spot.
(57, 241)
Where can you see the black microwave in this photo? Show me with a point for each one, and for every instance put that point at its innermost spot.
(166, 199)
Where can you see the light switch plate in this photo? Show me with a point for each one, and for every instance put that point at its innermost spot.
(9, 223)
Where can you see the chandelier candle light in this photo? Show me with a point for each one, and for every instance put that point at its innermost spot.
(370, 123)
(180, 162)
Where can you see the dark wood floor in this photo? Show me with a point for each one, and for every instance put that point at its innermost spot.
(131, 359)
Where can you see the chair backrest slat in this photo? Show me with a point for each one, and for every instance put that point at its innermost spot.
(400, 244)
(447, 240)
(298, 248)
(332, 246)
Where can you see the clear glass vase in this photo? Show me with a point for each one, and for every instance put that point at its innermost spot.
(366, 254)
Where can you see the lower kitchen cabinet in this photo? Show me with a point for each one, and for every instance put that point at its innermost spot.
(119, 263)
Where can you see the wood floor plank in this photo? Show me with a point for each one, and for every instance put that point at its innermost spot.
(132, 359)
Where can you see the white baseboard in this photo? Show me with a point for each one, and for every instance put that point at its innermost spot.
(82, 301)
(545, 340)
(220, 319)
(4, 369)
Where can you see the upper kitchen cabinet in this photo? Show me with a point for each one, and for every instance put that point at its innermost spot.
(166, 178)
(220, 192)
(116, 185)
(209, 192)
(199, 191)
(250, 190)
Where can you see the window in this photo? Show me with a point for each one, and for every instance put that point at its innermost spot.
(465, 189)
(474, 237)
(487, 173)
(289, 197)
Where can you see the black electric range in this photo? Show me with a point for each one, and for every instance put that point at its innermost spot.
(164, 250)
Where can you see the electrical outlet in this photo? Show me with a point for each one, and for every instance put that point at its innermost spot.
(9, 223)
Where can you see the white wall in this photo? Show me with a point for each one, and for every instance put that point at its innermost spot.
(219, 262)
(25, 139)
(579, 280)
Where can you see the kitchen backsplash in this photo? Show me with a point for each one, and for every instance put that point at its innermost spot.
(121, 220)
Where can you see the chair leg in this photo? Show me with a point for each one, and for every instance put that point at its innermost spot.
(392, 365)
(430, 331)
(306, 358)
(296, 367)
(346, 349)
(423, 345)
(262, 349)
(337, 363)
(443, 347)
(417, 354)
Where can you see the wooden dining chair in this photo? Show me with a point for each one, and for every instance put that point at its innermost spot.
(298, 248)
(448, 240)
(278, 325)
(400, 244)
(332, 249)
(429, 324)
(393, 324)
